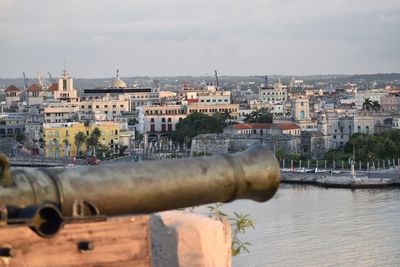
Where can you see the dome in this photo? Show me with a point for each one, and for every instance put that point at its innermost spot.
(118, 83)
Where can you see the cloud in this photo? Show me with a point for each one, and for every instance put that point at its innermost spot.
(186, 36)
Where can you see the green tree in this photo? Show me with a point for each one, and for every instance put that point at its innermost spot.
(280, 154)
(367, 105)
(259, 116)
(371, 147)
(224, 117)
(122, 150)
(93, 140)
(132, 121)
(239, 224)
(376, 106)
(103, 152)
(20, 137)
(195, 124)
(79, 139)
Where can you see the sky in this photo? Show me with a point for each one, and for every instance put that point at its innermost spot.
(193, 37)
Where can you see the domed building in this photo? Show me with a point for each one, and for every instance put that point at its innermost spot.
(118, 83)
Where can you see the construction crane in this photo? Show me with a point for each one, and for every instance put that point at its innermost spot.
(44, 84)
(25, 80)
(51, 78)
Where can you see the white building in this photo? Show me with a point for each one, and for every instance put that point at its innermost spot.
(66, 89)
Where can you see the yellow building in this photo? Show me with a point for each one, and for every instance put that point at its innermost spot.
(59, 138)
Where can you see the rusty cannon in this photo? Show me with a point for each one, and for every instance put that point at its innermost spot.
(46, 198)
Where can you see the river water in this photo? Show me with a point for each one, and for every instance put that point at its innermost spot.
(311, 226)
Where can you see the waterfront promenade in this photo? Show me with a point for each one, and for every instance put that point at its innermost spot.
(343, 179)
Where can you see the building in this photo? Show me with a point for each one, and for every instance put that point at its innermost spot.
(160, 121)
(13, 95)
(35, 95)
(373, 95)
(12, 124)
(59, 138)
(264, 128)
(137, 96)
(300, 108)
(65, 89)
(56, 112)
(110, 107)
(340, 125)
(390, 103)
(210, 109)
(275, 94)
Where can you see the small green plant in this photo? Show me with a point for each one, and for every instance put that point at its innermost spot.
(239, 223)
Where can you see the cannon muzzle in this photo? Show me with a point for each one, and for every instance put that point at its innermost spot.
(56, 196)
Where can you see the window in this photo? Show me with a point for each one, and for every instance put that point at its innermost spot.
(163, 120)
(367, 129)
(152, 120)
(169, 120)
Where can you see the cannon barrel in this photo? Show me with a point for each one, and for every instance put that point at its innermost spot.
(138, 188)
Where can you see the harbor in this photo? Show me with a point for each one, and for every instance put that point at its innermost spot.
(371, 179)
(312, 226)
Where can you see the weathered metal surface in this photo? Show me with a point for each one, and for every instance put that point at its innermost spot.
(145, 187)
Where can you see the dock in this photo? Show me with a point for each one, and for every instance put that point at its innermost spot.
(344, 180)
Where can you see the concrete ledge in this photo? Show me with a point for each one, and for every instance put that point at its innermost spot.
(189, 240)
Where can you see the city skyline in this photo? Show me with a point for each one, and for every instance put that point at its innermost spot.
(178, 38)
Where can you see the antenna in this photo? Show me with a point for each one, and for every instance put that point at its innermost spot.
(65, 73)
(25, 80)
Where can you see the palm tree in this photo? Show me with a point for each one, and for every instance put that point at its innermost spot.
(376, 106)
(367, 105)
(55, 147)
(96, 132)
(93, 140)
(66, 144)
(79, 139)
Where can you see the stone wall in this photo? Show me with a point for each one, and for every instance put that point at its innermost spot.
(223, 143)
(314, 144)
